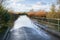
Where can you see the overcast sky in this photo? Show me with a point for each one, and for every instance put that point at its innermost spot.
(26, 5)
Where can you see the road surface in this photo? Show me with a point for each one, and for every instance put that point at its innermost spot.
(24, 29)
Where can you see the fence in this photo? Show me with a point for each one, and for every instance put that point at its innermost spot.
(52, 23)
(6, 33)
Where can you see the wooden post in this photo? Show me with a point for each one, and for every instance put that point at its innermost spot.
(58, 25)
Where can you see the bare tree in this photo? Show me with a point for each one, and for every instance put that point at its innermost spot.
(58, 1)
(52, 13)
(1, 2)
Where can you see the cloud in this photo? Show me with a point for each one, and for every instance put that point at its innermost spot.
(19, 7)
(40, 6)
(15, 0)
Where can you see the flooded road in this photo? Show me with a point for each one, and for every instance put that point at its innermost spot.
(24, 29)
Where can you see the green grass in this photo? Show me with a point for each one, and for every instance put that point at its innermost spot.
(3, 29)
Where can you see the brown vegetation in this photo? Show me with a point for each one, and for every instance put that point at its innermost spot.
(40, 14)
(31, 14)
(37, 14)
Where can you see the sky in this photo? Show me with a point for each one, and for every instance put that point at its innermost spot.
(27, 5)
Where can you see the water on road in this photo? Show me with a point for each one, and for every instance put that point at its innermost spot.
(24, 29)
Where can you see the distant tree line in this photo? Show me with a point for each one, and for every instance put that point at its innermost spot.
(53, 13)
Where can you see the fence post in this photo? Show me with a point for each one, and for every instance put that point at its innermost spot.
(48, 22)
(58, 25)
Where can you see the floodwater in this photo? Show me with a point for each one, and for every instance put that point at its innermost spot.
(24, 29)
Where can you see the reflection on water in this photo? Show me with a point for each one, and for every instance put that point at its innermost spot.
(23, 21)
